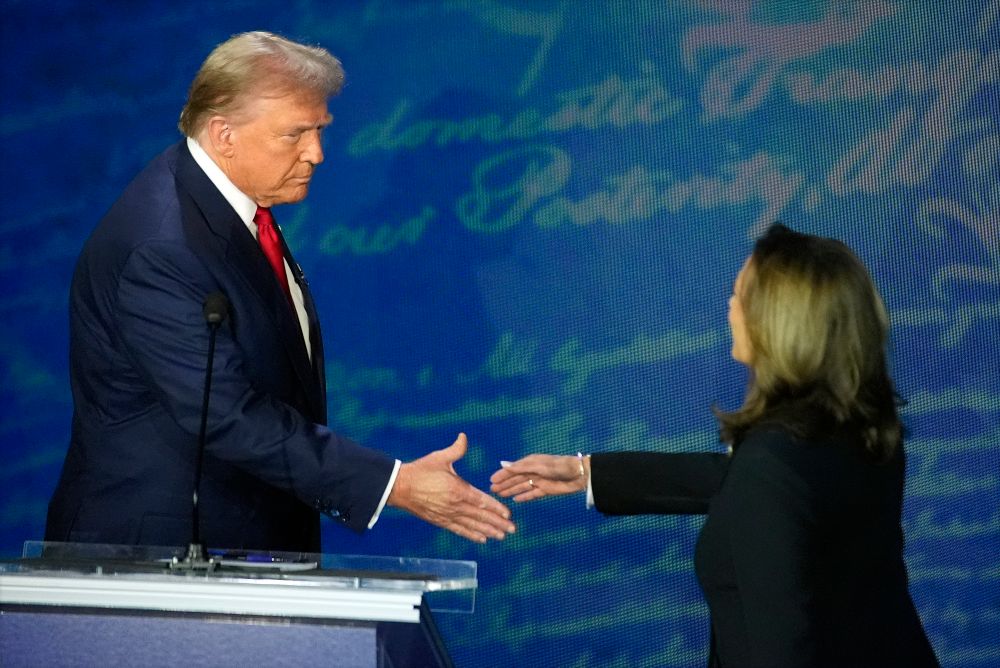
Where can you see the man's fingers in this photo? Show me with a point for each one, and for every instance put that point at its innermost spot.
(489, 503)
(468, 534)
(471, 529)
(465, 523)
(476, 500)
(478, 527)
(490, 517)
(486, 513)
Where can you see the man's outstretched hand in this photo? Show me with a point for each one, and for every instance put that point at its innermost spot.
(430, 489)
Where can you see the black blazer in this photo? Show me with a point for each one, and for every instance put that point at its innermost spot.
(138, 350)
(801, 555)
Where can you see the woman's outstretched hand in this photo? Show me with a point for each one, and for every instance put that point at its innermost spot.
(535, 476)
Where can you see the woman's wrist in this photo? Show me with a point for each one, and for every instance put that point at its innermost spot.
(583, 464)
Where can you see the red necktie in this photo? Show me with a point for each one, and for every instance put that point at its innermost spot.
(270, 243)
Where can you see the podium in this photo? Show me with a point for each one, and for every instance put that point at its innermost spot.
(66, 604)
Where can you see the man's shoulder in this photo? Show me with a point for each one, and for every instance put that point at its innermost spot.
(162, 166)
(145, 208)
(157, 175)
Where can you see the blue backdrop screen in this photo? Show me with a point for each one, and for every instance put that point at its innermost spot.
(527, 228)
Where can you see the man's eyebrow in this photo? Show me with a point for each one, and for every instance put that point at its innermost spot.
(326, 120)
(303, 127)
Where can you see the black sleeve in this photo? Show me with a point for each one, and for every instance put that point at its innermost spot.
(636, 483)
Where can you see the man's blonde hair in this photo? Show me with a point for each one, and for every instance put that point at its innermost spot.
(256, 64)
(818, 330)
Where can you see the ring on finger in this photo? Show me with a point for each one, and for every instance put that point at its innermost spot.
(531, 483)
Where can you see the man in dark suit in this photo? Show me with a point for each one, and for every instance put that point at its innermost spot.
(197, 221)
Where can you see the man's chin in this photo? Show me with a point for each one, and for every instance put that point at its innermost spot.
(292, 195)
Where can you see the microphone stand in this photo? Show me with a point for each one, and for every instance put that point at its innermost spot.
(215, 310)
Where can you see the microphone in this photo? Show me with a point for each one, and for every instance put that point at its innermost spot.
(215, 309)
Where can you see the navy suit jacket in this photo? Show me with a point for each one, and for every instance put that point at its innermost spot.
(138, 352)
(801, 555)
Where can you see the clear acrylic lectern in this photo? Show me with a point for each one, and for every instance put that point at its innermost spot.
(79, 604)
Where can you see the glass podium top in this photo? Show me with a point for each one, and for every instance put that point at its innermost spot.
(357, 571)
(89, 565)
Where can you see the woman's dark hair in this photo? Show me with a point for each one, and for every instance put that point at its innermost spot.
(818, 330)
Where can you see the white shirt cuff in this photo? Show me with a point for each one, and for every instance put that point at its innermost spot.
(590, 488)
(385, 495)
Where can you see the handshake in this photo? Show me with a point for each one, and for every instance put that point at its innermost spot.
(430, 489)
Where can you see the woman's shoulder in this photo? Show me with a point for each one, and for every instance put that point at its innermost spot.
(771, 463)
(801, 423)
(770, 448)
(780, 440)
(775, 439)
(816, 462)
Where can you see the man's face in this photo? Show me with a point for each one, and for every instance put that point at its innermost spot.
(276, 149)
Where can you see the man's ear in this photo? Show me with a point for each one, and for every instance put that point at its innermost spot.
(220, 136)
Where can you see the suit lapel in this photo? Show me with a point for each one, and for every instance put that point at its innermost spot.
(315, 335)
(243, 255)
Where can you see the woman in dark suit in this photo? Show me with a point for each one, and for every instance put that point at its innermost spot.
(801, 555)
